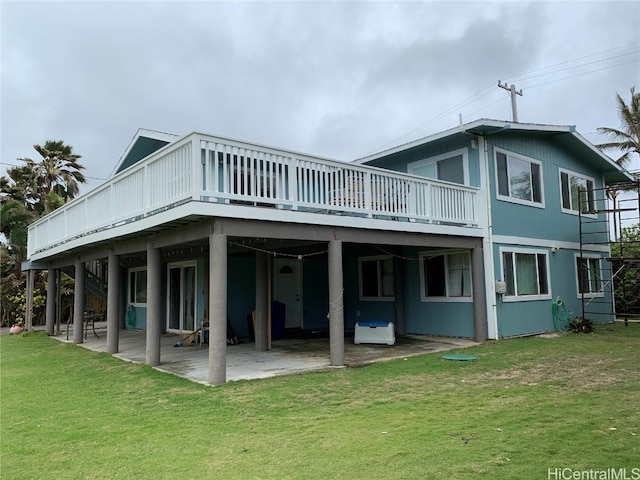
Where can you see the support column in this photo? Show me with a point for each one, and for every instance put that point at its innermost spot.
(51, 300)
(479, 305)
(28, 317)
(398, 292)
(262, 303)
(336, 304)
(78, 302)
(154, 305)
(217, 308)
(113, 296)
(58, 301)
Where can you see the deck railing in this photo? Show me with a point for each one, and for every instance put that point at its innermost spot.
(210, 169)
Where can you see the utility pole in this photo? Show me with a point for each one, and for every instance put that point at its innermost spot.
(512, 90)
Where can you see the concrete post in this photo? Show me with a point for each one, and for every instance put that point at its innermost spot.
(58, 329)
(217, 308)
(336, 304)
(28, 317)
(51, 300)
(479, 310)
(398, 291)
(262, 303)
(113, 296)
(78, 302)
(154, 305)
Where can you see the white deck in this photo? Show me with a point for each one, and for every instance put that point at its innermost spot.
(205, 175)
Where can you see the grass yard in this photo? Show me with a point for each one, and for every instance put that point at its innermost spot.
(523, 407)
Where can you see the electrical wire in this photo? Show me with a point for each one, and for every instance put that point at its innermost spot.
(274, 253)
(521, 77)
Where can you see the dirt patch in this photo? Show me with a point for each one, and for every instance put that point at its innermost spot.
(576, 372)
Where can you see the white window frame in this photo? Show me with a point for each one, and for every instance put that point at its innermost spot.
(447, 298)
(464, 152)
(530, 251)
(570, 174)
(589, 256)
(380, 297)
(509, 198)
(130, 300)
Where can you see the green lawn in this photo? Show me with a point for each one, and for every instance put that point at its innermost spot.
(524, 406)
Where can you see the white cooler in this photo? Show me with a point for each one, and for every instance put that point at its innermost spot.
(375, 331)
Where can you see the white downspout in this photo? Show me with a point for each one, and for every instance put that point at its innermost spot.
(487, 243)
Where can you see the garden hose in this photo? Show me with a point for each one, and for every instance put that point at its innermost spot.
(560, 315)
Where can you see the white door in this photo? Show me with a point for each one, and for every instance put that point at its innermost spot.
(288, 290)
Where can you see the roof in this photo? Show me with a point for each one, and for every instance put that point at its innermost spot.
(143, 144)
(564, 135)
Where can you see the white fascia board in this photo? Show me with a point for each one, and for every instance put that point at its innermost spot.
(602, 155)
(212, 210)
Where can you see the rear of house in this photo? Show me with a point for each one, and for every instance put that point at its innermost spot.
(469, 233)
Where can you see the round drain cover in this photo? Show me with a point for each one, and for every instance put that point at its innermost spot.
(460, 358)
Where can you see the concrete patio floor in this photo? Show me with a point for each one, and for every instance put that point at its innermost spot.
(291, 355)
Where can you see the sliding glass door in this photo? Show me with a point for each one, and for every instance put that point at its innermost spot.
(181, 308)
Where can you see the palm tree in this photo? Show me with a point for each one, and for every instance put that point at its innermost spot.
(627, 139)
(58, 172)
(20, 185)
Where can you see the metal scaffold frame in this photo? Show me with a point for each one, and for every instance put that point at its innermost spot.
(604, 214)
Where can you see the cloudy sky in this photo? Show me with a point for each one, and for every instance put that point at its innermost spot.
(336, 79)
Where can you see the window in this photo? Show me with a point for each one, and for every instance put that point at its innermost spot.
(577, 192)
(519, 179)
(450, 167)
(376, 278)
(138, 285)
(446, 276)
(526, 274)
(589, 276)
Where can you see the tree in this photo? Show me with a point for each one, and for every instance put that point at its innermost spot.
(626, 139)
(26, 193)
(58, 173)
(626, 253)
(14, 220)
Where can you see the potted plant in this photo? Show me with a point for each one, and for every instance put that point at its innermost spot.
(16, 327)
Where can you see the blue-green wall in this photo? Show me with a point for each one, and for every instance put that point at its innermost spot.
(425, 318)
(241, 291)
(315, 293)
(399, 161)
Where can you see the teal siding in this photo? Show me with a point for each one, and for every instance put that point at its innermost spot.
(453, 319)
(200, 286)
(424, 318)
(399, 161)
(530, 317)
(315, 294)
(355, 309)
(241, 292)
(529, 221)
(141, 317)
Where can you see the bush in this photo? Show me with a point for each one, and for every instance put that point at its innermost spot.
(581, 325)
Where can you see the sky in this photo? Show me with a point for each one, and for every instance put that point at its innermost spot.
(335, 79)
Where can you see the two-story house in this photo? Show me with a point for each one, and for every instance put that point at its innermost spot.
(471, 232)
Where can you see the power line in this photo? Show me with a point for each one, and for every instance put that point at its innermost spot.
(489, 89)
(517, 77)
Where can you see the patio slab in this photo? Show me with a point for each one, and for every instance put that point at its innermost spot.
(287, 356)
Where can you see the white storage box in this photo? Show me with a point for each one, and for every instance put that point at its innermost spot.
(374, 331)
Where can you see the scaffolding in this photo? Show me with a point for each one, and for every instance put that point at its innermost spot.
(609, 221)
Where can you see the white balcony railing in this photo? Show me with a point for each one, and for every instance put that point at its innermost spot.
(209, 169)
